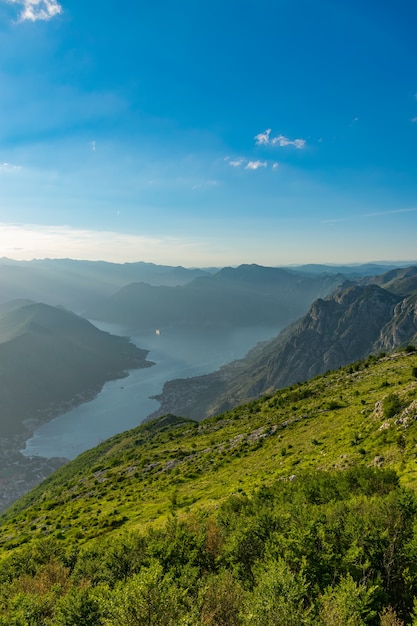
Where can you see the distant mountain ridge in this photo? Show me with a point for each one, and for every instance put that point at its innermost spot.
(356, 320)
(355, 270)
(80, 284)
(243, 296)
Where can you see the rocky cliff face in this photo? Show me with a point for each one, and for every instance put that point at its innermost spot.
(401, 328)
(334, 332)
(357, 320)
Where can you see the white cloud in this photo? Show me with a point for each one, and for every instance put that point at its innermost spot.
(265, 139)
(249, 165)
(237, 162)
(284, 141)
(275, 166)
(414, 119)
(254, 165)
(33, 10)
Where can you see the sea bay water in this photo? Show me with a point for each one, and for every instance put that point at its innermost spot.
(123, 404)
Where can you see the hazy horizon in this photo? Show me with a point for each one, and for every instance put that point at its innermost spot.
(376, 262)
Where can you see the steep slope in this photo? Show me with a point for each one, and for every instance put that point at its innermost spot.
(357, 320)
(243, 296)
(50, 357)
(363, 413)
(294, 509)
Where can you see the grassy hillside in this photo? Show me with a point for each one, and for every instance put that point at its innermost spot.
(284, 511)
(140, 477)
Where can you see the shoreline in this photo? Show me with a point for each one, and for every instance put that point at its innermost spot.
(19, 473)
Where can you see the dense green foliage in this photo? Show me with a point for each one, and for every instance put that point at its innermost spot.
(326, 548)
(295, 509)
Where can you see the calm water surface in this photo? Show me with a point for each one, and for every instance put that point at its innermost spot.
(125, 403)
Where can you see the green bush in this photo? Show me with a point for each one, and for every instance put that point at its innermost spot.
(391, 405)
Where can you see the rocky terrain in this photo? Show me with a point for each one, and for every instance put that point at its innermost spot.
(357, 320)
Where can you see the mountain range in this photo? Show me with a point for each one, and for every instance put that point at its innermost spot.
(78, 285)
(232, 297)
(358, 319)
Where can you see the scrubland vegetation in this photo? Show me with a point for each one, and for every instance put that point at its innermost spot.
(298, 508)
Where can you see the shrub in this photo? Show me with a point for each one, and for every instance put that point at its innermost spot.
(391, 405)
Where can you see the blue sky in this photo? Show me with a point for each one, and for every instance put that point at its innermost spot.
(206, 133)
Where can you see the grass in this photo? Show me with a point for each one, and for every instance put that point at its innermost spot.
(140, 478)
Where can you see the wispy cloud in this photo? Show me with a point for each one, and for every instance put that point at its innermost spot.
(237, 162)
(363, 215)
(255, 165)
(7, 168)
(206, 183)
(265, 139)
(247, 163)
(392, 212)
(414, 120)
(34, 10)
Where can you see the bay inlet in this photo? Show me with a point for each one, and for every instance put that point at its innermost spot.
(124, 403)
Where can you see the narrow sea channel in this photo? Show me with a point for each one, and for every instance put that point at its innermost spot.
(123, 404)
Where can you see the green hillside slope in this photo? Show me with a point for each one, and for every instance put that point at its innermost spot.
(333, 421)
(283, 511)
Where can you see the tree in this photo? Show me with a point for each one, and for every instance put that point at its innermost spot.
(279, 598)
(347, 604)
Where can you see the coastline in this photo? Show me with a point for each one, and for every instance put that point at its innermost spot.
(20, 473)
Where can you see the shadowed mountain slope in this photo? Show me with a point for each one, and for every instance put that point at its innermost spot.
(51, 358)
